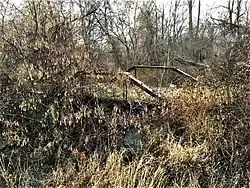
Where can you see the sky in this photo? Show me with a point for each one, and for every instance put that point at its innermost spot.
(205, 5)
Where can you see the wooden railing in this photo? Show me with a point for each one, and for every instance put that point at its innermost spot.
(135, 67)
(136, 81)
(139, 84)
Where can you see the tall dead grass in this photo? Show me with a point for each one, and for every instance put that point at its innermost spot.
(195, 139)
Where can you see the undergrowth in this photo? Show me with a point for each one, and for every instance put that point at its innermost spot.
(195, 137)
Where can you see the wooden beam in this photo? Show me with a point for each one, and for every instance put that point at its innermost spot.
(161, 67)
(140, 84)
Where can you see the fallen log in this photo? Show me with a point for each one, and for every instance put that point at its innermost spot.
(161, 67)
(141, 85)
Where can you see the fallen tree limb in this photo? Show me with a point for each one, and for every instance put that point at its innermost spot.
(140, 84)
(161, 67)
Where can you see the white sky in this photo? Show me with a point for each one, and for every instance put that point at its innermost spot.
(205, 5)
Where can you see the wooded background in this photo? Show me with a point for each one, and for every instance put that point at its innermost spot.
(72, 35)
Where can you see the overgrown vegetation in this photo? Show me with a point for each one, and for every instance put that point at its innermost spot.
(63, 126)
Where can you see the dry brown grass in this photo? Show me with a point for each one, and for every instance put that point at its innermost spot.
(81, 146)
(146, 171)
(194, 106)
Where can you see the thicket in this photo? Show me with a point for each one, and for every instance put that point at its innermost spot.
(61, 128)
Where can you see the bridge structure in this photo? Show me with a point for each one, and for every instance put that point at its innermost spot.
(130, 76)
(143, 86)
